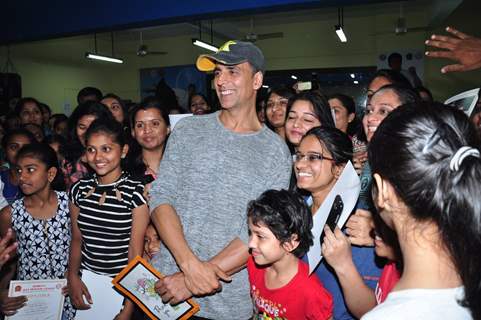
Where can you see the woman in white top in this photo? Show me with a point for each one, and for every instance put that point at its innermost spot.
(427, 168)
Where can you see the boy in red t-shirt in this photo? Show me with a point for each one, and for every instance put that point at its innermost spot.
(279, 233)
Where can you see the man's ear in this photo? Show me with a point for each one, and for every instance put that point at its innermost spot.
(258, 79)
(292, 244)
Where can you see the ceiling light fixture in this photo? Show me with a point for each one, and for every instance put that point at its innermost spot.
(356, 82)
(95, 56)
(103, 58)
(294, 77)
(353, 75)
(340, 25)
(206, 45)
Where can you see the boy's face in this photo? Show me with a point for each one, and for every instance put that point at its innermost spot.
(264, 246)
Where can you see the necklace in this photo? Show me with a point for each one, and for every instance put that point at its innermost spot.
(104, 189)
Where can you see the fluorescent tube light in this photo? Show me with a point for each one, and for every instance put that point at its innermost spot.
(95, 56)
(356, 82)
(294, 77)
(353, 75)
(204, 45)
(340, 33)
(265, 86)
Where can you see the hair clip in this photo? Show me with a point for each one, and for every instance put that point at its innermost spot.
(433, 139)
(460, 155)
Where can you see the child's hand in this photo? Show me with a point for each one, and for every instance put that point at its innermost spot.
(77, 291)
(122, 315)
(359, 228)
(336, 248)
(10, 305)
(65, 289)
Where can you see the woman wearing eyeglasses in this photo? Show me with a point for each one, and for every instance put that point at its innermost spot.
(318, 162)
(275, 109)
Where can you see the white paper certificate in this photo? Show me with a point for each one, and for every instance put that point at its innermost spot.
(347, 186)
(45, 299)
(107, 302)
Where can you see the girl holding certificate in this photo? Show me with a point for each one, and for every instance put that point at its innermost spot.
(109, 218)
(40, 221)
(319, 161)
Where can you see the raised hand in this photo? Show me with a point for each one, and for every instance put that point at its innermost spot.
(336, 248)
(464, 49)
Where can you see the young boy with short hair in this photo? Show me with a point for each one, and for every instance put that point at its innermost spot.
(279, 234)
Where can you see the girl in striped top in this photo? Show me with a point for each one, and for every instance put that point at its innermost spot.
(109, 214)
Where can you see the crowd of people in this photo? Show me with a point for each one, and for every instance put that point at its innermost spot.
(223, 205)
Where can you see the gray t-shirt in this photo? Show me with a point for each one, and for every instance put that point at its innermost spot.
(209, 174)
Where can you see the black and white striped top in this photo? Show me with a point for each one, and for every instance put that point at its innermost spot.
(106, 227)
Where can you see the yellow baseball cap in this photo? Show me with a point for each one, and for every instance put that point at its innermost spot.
(231, 53)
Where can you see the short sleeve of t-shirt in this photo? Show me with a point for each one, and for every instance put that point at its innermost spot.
(74, 192)
(138, 198)
(317, 310)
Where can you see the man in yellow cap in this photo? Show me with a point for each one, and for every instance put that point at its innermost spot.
(212, 167)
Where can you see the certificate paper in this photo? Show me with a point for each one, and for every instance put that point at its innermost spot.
(45, 299)
(137, 282)
(107, 302)
(174, 118)
(347, 186)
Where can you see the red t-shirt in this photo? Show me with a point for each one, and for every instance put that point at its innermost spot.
(304, 297)
(389, 277)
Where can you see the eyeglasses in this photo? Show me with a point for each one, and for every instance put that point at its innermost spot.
(280, 103)
(310, 157)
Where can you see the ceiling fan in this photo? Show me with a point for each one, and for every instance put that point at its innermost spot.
(253, 37)
(143, 50)
(401, 26)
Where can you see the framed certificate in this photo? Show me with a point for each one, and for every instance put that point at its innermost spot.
(137, 282)
(45, 299)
